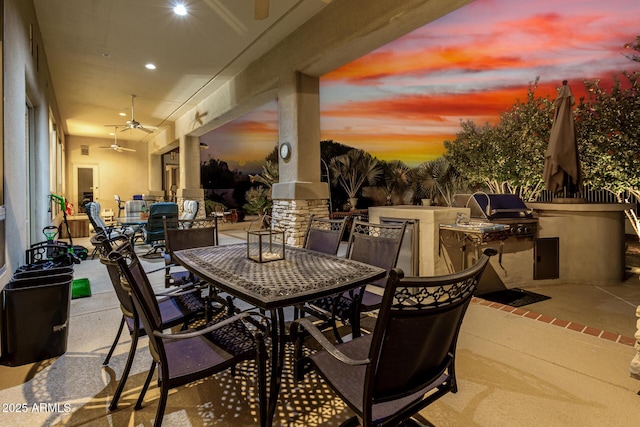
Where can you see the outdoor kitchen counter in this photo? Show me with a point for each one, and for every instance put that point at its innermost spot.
(579, 207)
(431, 259)
(591, 240)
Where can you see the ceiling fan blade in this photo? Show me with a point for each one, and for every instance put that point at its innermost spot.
(261, 9)
(132, 124)
(126, 149)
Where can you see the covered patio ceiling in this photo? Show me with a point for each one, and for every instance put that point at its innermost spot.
(97, 52)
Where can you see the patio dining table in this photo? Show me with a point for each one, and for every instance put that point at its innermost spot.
(303, 275)
(135, 223)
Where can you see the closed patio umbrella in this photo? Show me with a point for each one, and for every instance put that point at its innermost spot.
(562, 165)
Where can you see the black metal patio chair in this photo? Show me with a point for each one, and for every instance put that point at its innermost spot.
(185, 234)
(188, 356)
(408, 361)
(374, 244)
(322, 235)
(182, 307)
(154, 229)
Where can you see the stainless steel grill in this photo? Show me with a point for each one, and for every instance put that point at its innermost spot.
(506, 209)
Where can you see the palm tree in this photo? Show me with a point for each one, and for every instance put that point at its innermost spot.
(397, 178)
(270, 174)
(352, 170)
(437, 179)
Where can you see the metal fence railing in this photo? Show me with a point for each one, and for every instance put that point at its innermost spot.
(591, 195)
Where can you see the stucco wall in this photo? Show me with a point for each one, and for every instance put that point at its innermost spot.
(26, 166)
(123, 173)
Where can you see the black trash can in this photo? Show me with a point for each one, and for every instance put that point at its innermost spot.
(35, 315)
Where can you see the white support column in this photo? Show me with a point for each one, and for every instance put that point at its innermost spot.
(155, 176)
(299, 191)
(189, 157)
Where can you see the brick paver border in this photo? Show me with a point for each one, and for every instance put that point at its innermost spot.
(573, 326)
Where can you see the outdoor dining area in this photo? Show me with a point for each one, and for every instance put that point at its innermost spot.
(270, 277)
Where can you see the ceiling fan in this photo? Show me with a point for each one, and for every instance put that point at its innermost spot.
(115, 146)
(133, 123)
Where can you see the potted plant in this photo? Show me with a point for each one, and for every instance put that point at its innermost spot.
(437, 180)
(352, 170)
(397, 179)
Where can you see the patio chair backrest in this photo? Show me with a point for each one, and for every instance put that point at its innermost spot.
(154, 230)
(93, 212)
(414, 340)
(189, 209)
(143, 296)
(375, 244)
(134, 207)
(119, 202)
(105, 247)
(185, 234)
(324, 234)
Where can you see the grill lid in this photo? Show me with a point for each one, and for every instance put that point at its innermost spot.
(493, 206)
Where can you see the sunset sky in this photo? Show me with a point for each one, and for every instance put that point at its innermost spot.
(405, 99)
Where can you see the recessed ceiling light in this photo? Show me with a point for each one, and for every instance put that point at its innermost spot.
(180, 9)
(122, 114)
(150, 66)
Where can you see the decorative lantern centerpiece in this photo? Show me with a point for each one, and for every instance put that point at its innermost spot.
(265, 245)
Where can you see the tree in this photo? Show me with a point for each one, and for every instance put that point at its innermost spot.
(437, 179)
(216, 174)
(258, 201)
(608, 134)
(635, 46)
(258, 198)
(270, 175)
(352, 170)
(507, 157)
(397, 179)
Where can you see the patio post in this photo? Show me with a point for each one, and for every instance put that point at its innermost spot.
(300, 192)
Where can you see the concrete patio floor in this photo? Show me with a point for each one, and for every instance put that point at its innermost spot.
(516, 367)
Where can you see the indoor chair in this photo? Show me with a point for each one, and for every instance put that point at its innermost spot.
(181, 307)
(188, 356)
(408, 361)
(154, 229)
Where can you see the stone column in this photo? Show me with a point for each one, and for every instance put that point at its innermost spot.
(189, 157)
(634, 369)
(299, 192)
